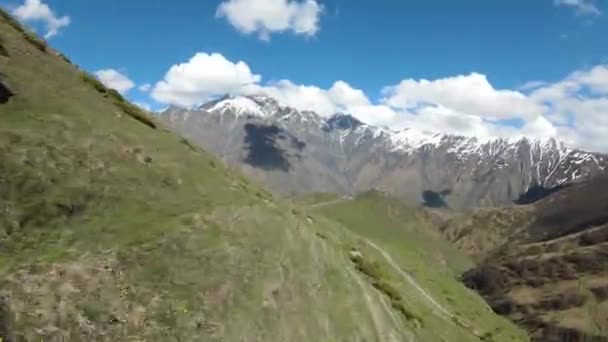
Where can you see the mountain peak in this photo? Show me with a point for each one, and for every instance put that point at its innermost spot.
(239, 105)
(341, 121)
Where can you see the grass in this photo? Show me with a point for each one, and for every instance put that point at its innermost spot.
(136, 113)
(11, 21)
(33, 39)
(406, 234)
(111, 230)
(374, 272)
(93, 82)
(118, 100)
(29, 36)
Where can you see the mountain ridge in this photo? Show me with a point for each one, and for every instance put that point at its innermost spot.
(348, 156)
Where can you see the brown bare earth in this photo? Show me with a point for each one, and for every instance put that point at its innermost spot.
(544, 266)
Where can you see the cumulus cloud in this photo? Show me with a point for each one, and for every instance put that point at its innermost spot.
(339, 98)
(114, 79)
(37, 11)
(472, 94)
(201, 78)
(582, 7)
(572, 109)
(264, 17)
(579, 107)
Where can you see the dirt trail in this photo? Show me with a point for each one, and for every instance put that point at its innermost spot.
(440, 308)
(328, 203)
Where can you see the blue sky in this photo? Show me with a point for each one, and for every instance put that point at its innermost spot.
(367, 57)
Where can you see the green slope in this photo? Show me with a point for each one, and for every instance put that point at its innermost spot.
(405, 235)
(113, 229)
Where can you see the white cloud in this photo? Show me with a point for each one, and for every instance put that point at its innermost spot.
(264, 17)
(37, 11)
(472, 94)
(341, 97)
(115, 80)
(573, 109)
(204, 76)
(144, 88)
(582, 7)
(532, 85)
(578, 106)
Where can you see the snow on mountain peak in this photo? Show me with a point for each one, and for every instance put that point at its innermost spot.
(239, 105)
(410, 138)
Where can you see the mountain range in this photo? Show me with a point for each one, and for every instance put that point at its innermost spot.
(296, 152)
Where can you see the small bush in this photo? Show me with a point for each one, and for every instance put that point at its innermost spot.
(408, 315)
(487, 337)
(115, 95)
(11, 21)
(94, 82)
(28, 35)
(136, 113)
(124, 105)
(321, 235)
(372, 270)
(387, 289)
(34, 40)
(188, 144)
(65, 58)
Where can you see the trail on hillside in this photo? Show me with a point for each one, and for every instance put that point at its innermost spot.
(328, 203)
(440, 308)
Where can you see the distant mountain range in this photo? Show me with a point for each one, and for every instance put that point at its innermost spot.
(296, 152)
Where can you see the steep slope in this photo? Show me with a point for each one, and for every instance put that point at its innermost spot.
(424, 264)
(113, 229)
(298, 152)
(546, 267)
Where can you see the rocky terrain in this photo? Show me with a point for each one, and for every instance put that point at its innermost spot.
(296, 152)
(545, 265)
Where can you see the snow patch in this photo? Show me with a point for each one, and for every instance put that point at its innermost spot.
(239, 105)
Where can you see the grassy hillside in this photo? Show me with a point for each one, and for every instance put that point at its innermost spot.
(405, 234)
(114, 229)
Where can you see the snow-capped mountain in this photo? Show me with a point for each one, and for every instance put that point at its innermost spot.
(297, 152)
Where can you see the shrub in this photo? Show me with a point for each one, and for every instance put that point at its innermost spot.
(28, 35)
(115, 95)
(487, 337)
(124, 105)
(11, 21)
(410, 316)
(188, 144)
(65, 58)
(136, 113)
(372, 270)
(94, 82)
(34, 40)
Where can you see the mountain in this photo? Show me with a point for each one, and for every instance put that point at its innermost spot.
(113, 228)
(297, 152)
(544, 265)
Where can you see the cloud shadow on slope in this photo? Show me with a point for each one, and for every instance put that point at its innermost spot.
(263, 149)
